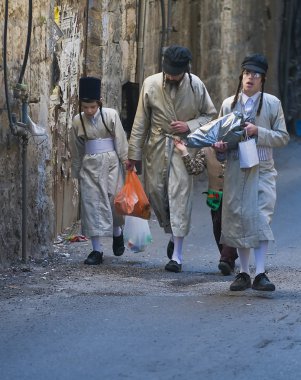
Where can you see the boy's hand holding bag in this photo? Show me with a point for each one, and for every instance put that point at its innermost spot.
(248, 155)
(132, 200)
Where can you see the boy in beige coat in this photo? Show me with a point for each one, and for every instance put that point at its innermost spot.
(99, 150)
(250, 194)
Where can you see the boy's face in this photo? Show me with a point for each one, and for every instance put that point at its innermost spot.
(251, 82)
(90, 109)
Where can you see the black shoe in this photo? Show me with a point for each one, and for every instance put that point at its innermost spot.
(242, 282)
(170, 248)
(94, 258)
(261, 282)
(173, 266)
(118, 245)
(225, 267)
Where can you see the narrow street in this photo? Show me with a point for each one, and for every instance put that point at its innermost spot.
(130, 319)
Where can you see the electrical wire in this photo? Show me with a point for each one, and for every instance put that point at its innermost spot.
(11, 124)
(26, 54)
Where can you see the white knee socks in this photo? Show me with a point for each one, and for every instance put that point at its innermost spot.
(260, 253)
(177, 252)
(244, 258)
(96, 243)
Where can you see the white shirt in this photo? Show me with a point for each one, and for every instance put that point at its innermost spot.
(94, 118)
(249, 101)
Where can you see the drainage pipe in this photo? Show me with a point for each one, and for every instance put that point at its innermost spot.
(163, 33)
(140, 45)
(18, 129)
(24, 184)
(288, 35)
(169, 27)
(24, 120)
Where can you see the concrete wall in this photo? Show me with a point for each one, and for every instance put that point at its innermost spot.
(72, 38)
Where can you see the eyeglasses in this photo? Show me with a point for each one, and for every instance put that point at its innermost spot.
(252, 74)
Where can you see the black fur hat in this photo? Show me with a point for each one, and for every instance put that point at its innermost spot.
(89, 88)
(255, 62)
(176, 60)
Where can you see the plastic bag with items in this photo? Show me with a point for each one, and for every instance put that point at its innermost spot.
(228, 128)
(137, 235)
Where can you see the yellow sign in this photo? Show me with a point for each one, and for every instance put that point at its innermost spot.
(57, 12)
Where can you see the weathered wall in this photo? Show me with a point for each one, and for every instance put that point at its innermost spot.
(111, 46)
(68, 52)
(231, 29)
(39, 201)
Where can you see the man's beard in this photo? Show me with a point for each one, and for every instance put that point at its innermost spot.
(173, 82)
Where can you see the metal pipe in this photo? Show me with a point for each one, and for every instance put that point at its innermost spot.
(287, 48)
(24, 120)
(169, 27)
(86, 39)
(140, 45)
(163, 33)
(24, 183)
(24, 199)
(18, 129)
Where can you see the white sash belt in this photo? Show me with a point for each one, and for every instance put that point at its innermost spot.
(99, 146)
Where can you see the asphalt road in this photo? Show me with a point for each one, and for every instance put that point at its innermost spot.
(129, 319)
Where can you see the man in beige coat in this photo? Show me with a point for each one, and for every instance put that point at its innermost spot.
(250, 194)
(171, 102)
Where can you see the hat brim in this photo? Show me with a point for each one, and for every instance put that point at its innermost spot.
(173, 70)
(254, 68)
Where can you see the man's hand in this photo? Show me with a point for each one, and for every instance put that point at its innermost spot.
(130, 164)
(250, 129)
(179, 126)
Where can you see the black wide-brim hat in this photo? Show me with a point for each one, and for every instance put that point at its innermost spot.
(176, 60)
(89, 88)
(256, 63)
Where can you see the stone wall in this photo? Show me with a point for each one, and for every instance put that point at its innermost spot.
(39, 199)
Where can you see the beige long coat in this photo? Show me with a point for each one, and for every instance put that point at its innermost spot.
(250, 194)
(167, 183)
(100, 175)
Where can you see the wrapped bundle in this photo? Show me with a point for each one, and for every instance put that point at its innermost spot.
(228, 128)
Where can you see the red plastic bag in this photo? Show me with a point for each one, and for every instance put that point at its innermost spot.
(132, 200)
